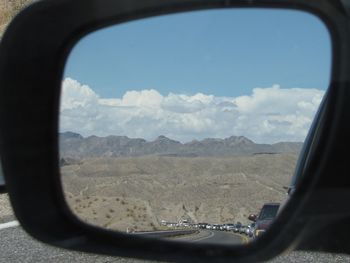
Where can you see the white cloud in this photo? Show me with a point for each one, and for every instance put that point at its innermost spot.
(76, 95)
(145, 98)
(267, 115)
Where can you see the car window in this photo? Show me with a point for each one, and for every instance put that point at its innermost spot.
(268, 212)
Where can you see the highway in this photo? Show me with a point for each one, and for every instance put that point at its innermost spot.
(214, 237)
(17, 246)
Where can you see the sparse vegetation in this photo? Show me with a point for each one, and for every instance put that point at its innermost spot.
(217, 190)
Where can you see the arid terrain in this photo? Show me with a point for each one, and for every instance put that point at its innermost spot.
(136, 193)
(5, 208)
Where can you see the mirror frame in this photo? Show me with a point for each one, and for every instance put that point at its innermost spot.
(2, 182)
(3, 189)
(30, 158)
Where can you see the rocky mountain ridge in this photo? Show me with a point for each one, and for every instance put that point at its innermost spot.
(74, 145)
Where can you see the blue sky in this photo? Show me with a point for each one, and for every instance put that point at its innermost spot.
(221, 52)
(205, 74)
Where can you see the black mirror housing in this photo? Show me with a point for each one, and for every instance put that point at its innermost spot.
(3, 189)
(2, 183)
(33, 53)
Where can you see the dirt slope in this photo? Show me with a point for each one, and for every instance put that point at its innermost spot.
(137, 193)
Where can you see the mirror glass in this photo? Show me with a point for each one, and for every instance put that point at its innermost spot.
(189, 126)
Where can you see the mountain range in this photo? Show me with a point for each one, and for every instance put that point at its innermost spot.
(74, 145)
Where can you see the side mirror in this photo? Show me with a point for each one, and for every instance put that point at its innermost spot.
(31, 84)
(252, 217)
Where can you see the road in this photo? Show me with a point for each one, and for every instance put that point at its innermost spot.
(214, 237)
(17, 246)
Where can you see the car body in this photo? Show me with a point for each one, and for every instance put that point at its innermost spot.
(216, 227)
(250, 232)
(209, 226)
(243, 229)
(202, 225)
(237, 227)
(230, 227)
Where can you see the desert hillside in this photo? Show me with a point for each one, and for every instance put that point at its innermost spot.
(138, 192)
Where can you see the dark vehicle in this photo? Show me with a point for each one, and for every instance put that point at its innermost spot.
(216, 227)
(266, 216)
(237, 227)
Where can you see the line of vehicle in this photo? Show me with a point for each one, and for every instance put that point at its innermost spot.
(9, 224)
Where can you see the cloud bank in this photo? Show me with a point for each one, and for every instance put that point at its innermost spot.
(267, 115)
